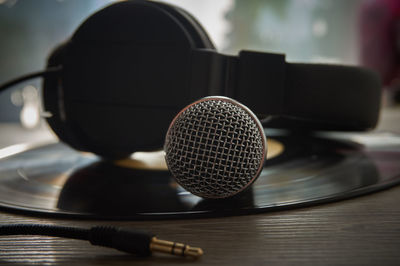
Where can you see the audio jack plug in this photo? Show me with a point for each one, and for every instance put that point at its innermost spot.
(136, 242)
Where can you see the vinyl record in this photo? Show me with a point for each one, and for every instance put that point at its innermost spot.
(55, 180)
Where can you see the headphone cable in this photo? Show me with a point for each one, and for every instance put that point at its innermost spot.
(136, 242)
(44, 73)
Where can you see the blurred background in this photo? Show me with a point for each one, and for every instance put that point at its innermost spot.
(358, 32)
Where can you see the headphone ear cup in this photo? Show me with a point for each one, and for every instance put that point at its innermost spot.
(55, 88)
(125, 75)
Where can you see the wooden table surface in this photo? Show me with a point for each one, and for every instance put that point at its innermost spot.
(363, 231)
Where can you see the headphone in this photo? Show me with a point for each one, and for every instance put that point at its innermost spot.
(125, 73)
(130, 67)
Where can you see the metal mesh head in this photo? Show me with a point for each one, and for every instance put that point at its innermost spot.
(215, 147)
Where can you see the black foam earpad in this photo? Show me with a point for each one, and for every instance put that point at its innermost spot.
(52, 100)
(51, 92)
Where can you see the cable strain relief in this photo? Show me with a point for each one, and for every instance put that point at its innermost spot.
(133, 241)
(124, 239)
(102, 235)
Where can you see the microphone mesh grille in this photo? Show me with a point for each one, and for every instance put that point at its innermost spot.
(215, 147)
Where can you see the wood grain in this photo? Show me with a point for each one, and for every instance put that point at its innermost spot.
(363, 231)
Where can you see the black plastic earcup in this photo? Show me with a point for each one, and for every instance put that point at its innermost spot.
(123, 77)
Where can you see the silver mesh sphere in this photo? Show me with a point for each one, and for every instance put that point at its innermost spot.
(215, 147)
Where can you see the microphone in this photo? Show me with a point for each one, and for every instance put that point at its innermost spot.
(215, 147)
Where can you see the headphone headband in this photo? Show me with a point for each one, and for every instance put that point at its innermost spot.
(307, 96)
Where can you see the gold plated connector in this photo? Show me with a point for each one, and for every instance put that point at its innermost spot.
(175, 248)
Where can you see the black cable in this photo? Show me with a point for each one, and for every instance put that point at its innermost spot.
(136, 242)
(45, 230)
(44, 73)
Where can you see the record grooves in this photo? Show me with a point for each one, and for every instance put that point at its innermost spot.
(55, 180)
